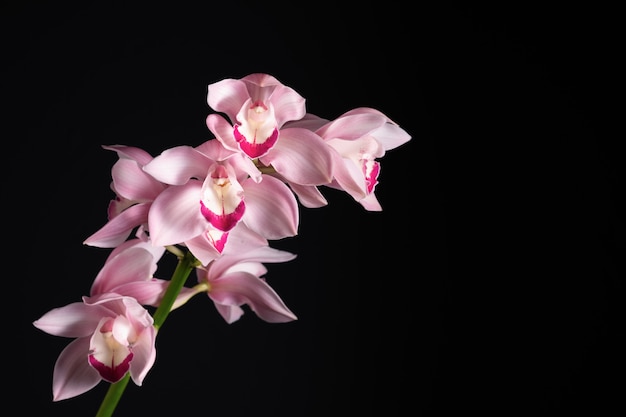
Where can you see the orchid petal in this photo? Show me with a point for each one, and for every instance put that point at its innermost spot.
(117, 229)
(72, 320)
(230, 313)
(72, 374)
(185, 295)
(145, 292)
(288, 105)
(308, 121)
(223, 131)
(227, 96)
(237, 289)
(272, 209)
(215, 151)
(133, 264)
(177, 165)
(156, 251)
(240, 261)
(349, 176)
(175, 215)
(132, 183)
(370, 203)
(301, 156)
(130, 152)
(203, 247)
(144, 355)
(389, 134)
(352, 127)
(308, 195)
(243, 240)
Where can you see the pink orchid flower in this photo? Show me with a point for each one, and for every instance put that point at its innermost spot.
(212, 189)
(129, 270)
(257, 107)
(134, 190)
(113, 335)
(236, 279)
(358, 137)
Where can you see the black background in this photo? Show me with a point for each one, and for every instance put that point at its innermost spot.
(493, 280)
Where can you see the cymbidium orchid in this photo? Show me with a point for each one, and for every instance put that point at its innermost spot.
(129, 270)
(217, 207)
(258, 106)
(113, 335)
(235, 279)
(211, 190)
(358, 138)
(135, 190)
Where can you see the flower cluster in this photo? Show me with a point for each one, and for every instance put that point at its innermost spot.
(217, 206)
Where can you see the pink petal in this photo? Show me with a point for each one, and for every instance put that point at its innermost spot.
(371, 203)
(177, 165)
(72, 374)
(133, 264)
(227, 96)
(156, 251)
(288, 105)
(302, 157)
(230, 313)
(242, 288)
(72, 320)
(117, 229)
(144, 355)
(175, 215)
(145, 292)
(132, 183)
(349, 177)
(204, 248)
(130, 152)
(223, 131)
(272, 209)
(214, 150)
(351, 127)
(308, 195)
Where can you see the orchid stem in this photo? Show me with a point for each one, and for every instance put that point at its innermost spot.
(113, 396)
(186, 263)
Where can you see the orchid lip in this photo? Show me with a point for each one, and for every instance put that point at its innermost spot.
(223, 222)
(253, 148)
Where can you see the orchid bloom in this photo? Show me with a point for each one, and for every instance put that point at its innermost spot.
(113, 335)
(358, 137)
(236, 278)
(134, 192)
(211, 190)
(257, 107)
(128, 271)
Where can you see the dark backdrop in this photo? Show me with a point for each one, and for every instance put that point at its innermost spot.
(493, 280)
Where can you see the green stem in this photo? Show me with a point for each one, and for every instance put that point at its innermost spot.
(183, 269)
(113, 396)
(185, 265)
